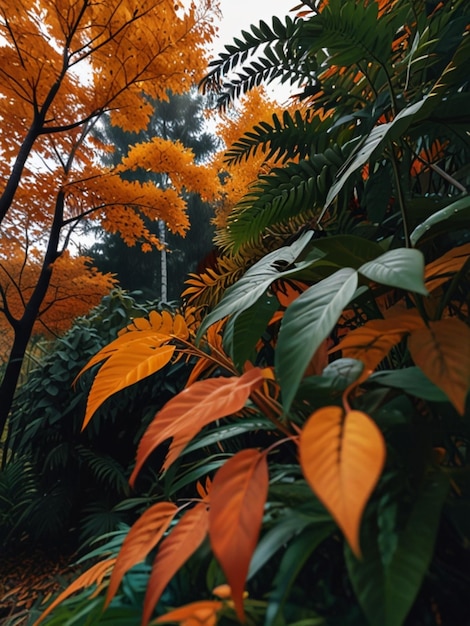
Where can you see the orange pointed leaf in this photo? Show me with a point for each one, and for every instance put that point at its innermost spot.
(93, 575)
(141, 539)
(442, 351)
(133, 362)
(440, 271)
(174, 551)
(238, 495)
(202, 613)
(372, 342)
(342, 457)
(192, 409)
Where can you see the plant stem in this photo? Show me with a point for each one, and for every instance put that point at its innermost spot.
(400, 196)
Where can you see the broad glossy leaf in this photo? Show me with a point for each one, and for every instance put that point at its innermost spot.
(192, 409)
(245, 329)
(92, 576)
(410, 380)
(442, 351)
(443, 221)
(339, 251)
(203, 613)
(387, 588)
(402, 268)
(238, 495)
(306, 323)
(133, 362)
(253, 284)
(343, 372)
(144, 535)
(342, 457)
(174, 551)
(373, 143)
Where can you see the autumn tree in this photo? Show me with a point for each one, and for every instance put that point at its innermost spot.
(182, 117)
(63, 65)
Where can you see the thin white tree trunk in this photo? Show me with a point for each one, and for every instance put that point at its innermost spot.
(163, 261)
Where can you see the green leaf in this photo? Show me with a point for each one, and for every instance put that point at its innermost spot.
(411, 380)
(372, 144)
(402, 268)
(245, 328)
(377, 192)
(443, 221)
(227, 431)
(306, 323)
(343, 372)
(291, 523)
(254, 283)
(386, 584)
(295, 556)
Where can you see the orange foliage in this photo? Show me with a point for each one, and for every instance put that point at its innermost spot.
(63, 65)
(342, 456)
(238, 495)
(256, 107)
(75, 287)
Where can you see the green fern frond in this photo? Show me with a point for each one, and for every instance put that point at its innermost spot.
(263, 55)
(298, 189)
(17, 490)
(99, 519)
(294, 136)
(106, 470)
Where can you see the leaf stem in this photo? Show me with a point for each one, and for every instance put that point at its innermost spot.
(400, 195)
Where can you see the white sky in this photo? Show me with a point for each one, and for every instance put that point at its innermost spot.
(238, 15)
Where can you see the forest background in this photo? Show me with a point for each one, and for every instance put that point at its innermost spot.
(303, 413)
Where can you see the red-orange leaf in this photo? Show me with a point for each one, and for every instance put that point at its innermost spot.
(342, 457)
(93, 575)
(442, 351)
(142, 537)
(238, 495)
(202, 613)
(174, 551)
(192, 409)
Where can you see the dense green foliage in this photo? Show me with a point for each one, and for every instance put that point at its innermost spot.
(61, 482)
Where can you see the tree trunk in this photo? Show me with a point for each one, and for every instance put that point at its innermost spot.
(23, 327)
(163, 262)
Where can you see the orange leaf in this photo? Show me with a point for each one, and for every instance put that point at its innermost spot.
(93, 575)
(142, 537)
(441, 270)
(132, 362)
(238, 495)
(203, 613)
(372, 342)
(174, 551)
(342, 457)
(442, 351)
(192, 409)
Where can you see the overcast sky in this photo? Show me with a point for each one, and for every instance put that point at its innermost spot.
(239, 14)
